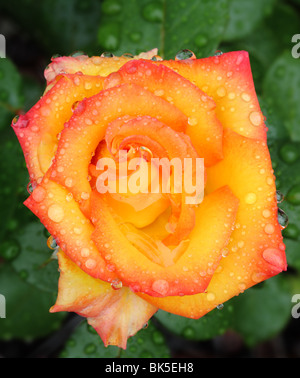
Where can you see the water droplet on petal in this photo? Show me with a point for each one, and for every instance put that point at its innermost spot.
(220, 306)
(107, 55)
(279, 196)
(274, 257)
(51, 243)
(56, 213)
(20, 121)
(210, 297)
(255, 118)
(250, 198)
(269, 229)
(78, 107)
(39, 194)
(283, 219)
(185, 54)
(116, 284)
(160, 286)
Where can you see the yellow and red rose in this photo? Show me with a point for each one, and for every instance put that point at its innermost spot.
(124, 256)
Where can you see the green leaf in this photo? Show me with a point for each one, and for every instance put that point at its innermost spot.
(86, 343)
(169, 25)
(212, 324)
(281, 91)
(11, 100)
(286, 162)
(244, 17)
(34, 262)
(13, 175)
(27, 308)
(262, 312)
(60, 27)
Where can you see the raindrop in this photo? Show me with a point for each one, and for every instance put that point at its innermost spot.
(78, 107)
(185, 54)
(128, 56)
(116, 284)
(20, 121)
(107, 55)
(31, 186)
(218, 53)
(160, 287)
(56, 213)
(279, 196)
(255, 118)
(51, 243)
(220, 306)
(283, 219)
(77, 53)
(157, 58)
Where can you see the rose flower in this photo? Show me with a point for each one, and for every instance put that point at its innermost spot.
(126, 251)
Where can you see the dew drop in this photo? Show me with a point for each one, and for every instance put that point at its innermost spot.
(116, 284)
(51, 243)
(185, 54)
(283, 219)
(160, 286)
(279, 196)
(31, 186)
(220, 306)
(255, 118)
(210, 297)
(20, 121)
(39, 194)
(107, 55)
(90, 263)
(274, 257)
(192, 121)
(56, 213)
(157, 58)
(221, 92)
(78, 107)
(250, 198)
(269, 229)
(246, 97)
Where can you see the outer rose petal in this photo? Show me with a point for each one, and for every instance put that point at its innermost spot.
(255, 251)
(193, 270)
(95, 65)
(61, 215)
(227, 78)
(45, 120)
(115, 314)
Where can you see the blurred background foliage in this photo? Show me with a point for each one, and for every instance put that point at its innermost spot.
(257, 322)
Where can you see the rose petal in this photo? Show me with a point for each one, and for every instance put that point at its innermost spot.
(227, 78)
(193, 270)
(256, 251)
(46, 120)
(115, 314)
(60, 214)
